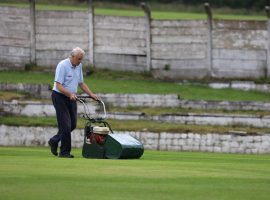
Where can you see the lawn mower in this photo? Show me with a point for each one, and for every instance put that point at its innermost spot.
(101, 142)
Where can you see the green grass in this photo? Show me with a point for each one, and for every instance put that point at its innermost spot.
(133, 11)
(149, 111)
(26, 77)
(32, 173)
(105, 81)
(153, 111)
(134, 125)
(10, 95)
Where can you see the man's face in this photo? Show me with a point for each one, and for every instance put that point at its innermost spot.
(76, 59)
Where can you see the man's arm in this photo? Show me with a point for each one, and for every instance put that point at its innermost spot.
(63, 90)
(86, 89)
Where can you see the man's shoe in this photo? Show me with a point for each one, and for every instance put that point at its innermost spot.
(53, 147)
(66, 156)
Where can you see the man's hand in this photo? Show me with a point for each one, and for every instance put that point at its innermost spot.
(86, 89)
(73, 97)
(95, 97)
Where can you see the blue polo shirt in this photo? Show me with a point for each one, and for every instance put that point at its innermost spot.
(68, 76)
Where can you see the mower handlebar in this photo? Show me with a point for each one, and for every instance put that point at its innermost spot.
(82, 98)
(85, 97)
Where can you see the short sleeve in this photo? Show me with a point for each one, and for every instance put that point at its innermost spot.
(59, 74)
(81, 76)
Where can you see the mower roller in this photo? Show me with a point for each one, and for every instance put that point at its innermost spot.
(101, 142)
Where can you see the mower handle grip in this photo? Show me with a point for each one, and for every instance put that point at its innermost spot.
(85, 97)
(81, 98)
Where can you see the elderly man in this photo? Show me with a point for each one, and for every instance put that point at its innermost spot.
(68, 76)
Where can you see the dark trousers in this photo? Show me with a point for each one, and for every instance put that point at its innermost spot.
(66, 113)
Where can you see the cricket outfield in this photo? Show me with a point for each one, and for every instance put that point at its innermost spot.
(32, 173)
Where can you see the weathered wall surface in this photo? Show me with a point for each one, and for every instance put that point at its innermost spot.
(229, 143)
(14, 37)
(57, 33)
(148, 100)
(239, 48)
(119, 43)
(176, 48)
(180, 46)
(29, 108)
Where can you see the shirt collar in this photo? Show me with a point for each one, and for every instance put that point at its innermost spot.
(71, 66)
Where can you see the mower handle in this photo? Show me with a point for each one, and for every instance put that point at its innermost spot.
(85, 97)
(82, 98)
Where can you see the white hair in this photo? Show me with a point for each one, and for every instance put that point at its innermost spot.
(77, 51)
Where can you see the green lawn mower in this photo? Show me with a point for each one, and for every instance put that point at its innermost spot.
(101, 142)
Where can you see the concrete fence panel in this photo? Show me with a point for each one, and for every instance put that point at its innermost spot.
(168, 48)
(14, 37)
(57, 32)
(239, 48)
(179, 46)
(119, 43)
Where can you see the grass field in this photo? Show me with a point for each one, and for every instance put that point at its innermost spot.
(105, 81)
(32, 173)
(163, 11)
(135, 125)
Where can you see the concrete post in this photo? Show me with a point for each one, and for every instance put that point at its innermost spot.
(32, 31)
(267, 9)
(91, 32)
(209, 39)
(147, 12)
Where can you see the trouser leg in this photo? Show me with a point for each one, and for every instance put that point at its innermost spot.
(56, 138)
(73, 114)
(62, 107)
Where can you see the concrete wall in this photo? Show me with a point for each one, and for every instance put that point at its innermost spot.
(28, 108)
(148, 100)
(119, 43)
(239, 48)
(35, 90)
(181, 46)
(57, 33)
(14, 37)
(229, 143)
(169, 48)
